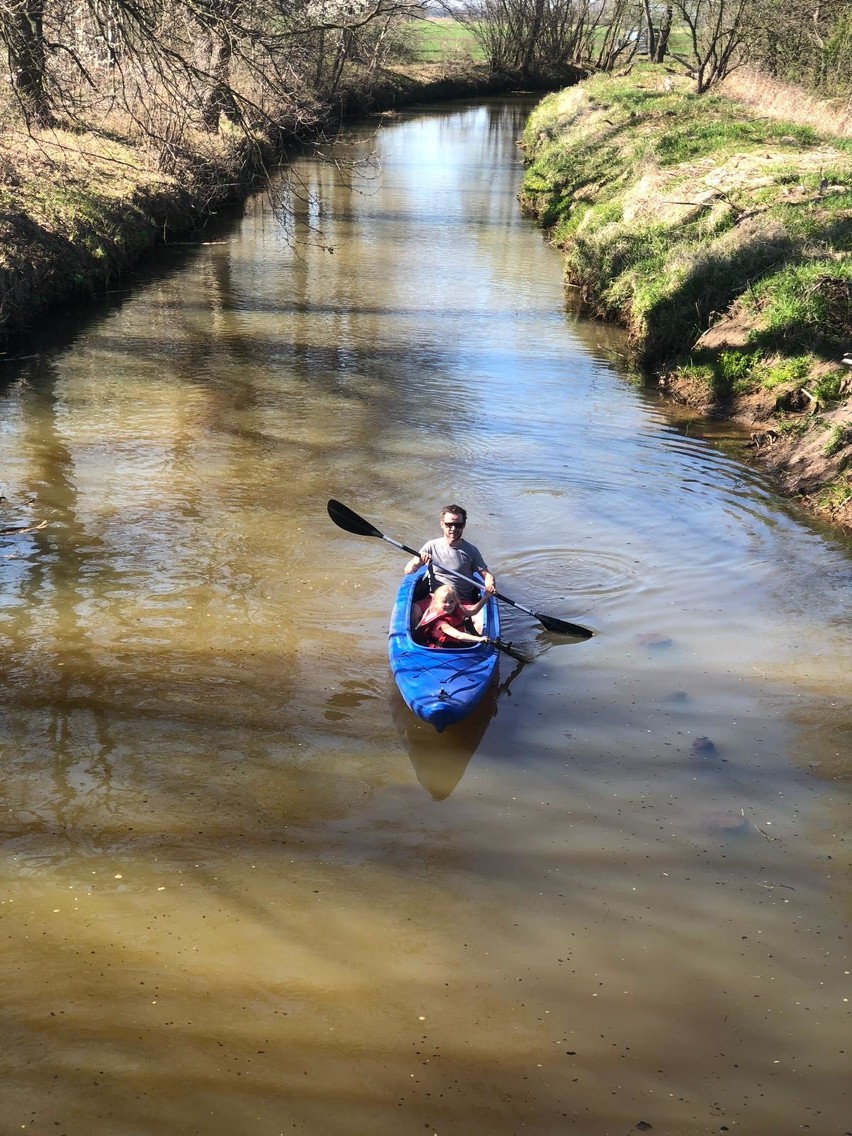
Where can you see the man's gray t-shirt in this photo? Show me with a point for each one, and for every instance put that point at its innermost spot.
(465, 559)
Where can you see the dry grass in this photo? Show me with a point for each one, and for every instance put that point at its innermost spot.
(790, 103)
(676, 195)
(33, 162)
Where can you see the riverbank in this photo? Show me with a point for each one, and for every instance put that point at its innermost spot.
(78, 210)
(722, 239)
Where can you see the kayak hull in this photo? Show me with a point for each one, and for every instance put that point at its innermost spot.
(440, 685)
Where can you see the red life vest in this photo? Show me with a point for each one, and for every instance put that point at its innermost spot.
(429, 632)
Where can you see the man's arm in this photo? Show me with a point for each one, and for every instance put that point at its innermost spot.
(423, 557)
(479, 565)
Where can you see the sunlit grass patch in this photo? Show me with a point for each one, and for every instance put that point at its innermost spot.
(837, 439)
(805, 303)
(440, 39)
(781, 372)
(837, 494)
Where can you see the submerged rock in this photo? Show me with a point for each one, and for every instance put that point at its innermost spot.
(703, 747)
(653, 639)
(729, 822)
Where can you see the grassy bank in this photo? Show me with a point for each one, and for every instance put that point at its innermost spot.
(721, 239)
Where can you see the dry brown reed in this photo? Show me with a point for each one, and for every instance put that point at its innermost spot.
(776, 99)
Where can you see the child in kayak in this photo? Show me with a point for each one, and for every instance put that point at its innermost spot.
(442, 622)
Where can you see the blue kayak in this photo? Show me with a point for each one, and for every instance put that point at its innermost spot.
(441, 685)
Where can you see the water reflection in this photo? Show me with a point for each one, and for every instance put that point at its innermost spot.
(440, 760)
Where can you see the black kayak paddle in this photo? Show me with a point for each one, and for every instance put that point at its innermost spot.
(345, 519)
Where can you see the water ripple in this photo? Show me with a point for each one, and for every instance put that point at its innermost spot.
(556, 573)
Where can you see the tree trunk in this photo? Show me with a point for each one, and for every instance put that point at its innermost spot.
(21, 27)
(652, 35)
(532, 34)
(219, 99)
(661, 46)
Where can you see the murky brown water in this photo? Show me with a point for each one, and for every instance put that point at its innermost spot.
(242, 891)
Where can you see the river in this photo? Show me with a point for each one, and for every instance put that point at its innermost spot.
(242, 890)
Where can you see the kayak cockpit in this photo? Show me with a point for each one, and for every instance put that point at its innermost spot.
(441, 685)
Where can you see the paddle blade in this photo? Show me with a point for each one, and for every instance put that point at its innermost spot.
(508, 649)
(344, 518)
(562, 626)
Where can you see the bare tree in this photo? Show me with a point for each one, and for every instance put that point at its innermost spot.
(617, 39)
(215, 52)
(174, 64)
(657, 34)
(347, 32)
(661, 43)
(650, 30)
(719, 32)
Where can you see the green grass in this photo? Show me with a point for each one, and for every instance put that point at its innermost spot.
(805, 304)
(795, 427)
(774, 373)
(836, 440)
(707, 128)
(837, 494)
(736, 370)
(440, 40)
(744, 372)
(762, 230)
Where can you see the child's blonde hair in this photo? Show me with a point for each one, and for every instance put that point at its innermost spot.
(445, 590)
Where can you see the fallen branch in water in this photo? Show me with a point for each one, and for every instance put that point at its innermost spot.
(14, 530)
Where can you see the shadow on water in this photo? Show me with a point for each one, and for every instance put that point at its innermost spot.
(440, 760)
(78, 317)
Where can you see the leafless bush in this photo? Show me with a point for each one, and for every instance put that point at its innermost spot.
(548, 39)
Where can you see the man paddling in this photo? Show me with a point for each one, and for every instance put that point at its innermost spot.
(450, 553)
